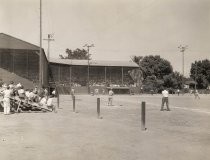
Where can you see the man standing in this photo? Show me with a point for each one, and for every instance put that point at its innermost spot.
(110, 98)
(178, 91)
(165, 100)
(196, 94)
(72, 92)
(54, 93)
(7, 95)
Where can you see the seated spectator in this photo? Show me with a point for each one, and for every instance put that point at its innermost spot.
(4, 87)
(41, 93)
(11, 85)
(27, 92)
(45, 92)
(32, 96)
(50, 103)
(18, 85)
(43, 101)
(35, 90)
(21, 92)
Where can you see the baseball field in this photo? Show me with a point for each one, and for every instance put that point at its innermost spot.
(180, 134)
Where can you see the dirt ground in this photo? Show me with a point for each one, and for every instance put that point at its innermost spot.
(181, 134)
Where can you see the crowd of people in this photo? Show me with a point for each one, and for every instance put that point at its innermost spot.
(39, 96)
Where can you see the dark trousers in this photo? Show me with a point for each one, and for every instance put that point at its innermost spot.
(165, 100)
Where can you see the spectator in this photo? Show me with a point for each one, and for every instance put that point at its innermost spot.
(21, 92)
(11, 85)
(43, 101)
(27, 92)
(18, 85)
(50, 103)
(41, 93)
(96, 91)
(46, 92)
(32, 96)
(54, 93)
(103, 91)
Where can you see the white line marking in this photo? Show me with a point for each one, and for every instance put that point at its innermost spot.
(184, 108)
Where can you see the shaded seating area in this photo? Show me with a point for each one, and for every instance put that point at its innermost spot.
(20, 106)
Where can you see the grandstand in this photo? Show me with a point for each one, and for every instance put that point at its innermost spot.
(102, 74)
(19, 62)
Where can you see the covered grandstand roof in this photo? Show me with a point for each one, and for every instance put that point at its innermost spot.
(9, 42)
(94, 62)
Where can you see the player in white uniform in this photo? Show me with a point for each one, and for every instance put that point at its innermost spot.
(110, 98)
(165, 100)
(6, 100)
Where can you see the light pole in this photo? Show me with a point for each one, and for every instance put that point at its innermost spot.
(49, 39)
(88, 50)
(182, 50)
(196, 74)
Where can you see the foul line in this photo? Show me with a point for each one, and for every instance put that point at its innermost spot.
(184, 108)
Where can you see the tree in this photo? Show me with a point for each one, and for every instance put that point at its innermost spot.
(137, 59)
(75, 54)
(155, 65)
(173, 80)
(137, 76)
(200, 72)
(153, 69)
(152, 83)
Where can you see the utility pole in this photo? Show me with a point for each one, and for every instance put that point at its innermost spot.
(49, 39)
(40, 50)
(88, 50)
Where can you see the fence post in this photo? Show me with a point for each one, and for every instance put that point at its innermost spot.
(98, 107)
(73, 103)
(58, 100)
(143, 115)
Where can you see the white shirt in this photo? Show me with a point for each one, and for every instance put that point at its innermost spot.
(50, 102)
(7, 93)
(27, 93)
(18, 85)
(165, 93)
(53, 92)
(43, 101)
(31, 95)
(11, 86)
(111, 93)
(21, 91)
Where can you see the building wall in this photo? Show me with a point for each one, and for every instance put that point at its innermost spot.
(24, 63)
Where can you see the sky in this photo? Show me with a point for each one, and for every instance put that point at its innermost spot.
(118, 29)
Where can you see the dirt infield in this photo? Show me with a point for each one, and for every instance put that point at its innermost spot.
(183, 133)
